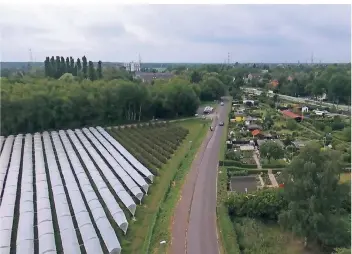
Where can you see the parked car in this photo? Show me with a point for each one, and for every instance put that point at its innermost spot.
(221, 124)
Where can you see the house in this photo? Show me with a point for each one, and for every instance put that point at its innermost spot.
(148, 77)
(292, 115)
(246, 148)
(249, 120)
(256, 133)
(253, 76)
(305, 109)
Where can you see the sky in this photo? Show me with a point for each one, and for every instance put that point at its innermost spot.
(177, 33)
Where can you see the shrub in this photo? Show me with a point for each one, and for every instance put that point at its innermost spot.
(238, 173)
(263, 204)
(230, 163)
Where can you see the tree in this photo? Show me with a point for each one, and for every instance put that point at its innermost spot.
(68, 66)
(52, 67)
(63, 66)
(212, 88)
(79, 66)
(271, 149)
(100, 70)
(47, 68)
(314, 195)
(196, 77)
(72, 66)
(58, 72)
(91, 71)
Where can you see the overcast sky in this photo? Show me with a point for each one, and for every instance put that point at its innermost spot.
(177, 33)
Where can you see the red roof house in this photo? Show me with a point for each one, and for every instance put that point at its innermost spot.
(255, 132)
(292, 115)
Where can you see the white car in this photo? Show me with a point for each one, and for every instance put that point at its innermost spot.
(222, 104)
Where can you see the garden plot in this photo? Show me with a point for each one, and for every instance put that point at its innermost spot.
(75, 191)
(241, 183)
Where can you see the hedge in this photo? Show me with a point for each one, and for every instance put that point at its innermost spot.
(258, 171)
(230, 163)
(238, 173)
(273, 166)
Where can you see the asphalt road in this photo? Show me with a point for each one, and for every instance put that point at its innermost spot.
(194, 228)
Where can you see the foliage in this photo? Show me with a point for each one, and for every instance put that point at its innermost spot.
(59, 104)
(268, 122)
(243, 172)
(264, 204)
(212, 88)
(342, 251)
(230, 163)
(314, 196)
(271, 149)
(254, 236)
(291, 124)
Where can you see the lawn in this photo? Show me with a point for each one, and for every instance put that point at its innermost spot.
(146, 230)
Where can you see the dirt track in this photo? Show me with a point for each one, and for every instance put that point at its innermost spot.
(194, 224)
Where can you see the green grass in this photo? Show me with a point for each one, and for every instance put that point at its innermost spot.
(139, 235)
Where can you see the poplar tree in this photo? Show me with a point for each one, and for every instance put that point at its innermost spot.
(84, 67)
(99, 70)
(92, 73)
(68, 68)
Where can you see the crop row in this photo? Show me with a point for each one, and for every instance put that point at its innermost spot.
(130, 148)
(142, 144)
(148, 159)
(164, 137)
(150, 142)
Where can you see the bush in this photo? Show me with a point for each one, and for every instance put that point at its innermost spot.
(238, 173)
(263, 204)
(231, 163)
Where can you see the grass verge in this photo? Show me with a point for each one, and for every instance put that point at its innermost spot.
(151, 217)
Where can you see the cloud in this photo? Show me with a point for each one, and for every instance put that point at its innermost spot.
(178, 33)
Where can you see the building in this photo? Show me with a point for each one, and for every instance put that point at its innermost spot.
(132, 66)
(148, 77)
(292, 115)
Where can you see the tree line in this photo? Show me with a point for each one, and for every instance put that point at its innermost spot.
(56, 67)
(45, 104)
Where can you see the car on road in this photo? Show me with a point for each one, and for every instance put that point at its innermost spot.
(221, 124)
(222, 104)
